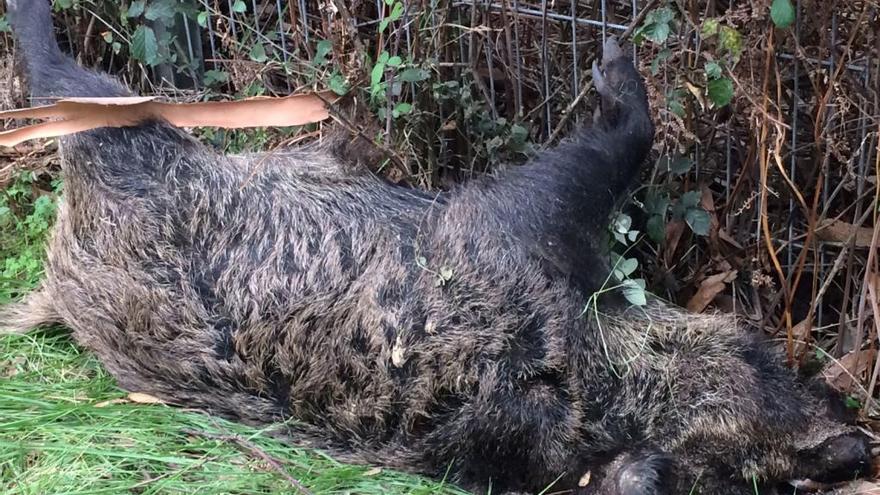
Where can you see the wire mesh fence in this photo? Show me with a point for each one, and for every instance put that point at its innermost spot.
(785, 170)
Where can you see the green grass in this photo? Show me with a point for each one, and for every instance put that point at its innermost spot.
(61, 432)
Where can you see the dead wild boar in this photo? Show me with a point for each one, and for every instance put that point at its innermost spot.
(312, 294)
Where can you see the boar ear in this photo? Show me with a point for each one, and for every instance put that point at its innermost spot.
(646, 473)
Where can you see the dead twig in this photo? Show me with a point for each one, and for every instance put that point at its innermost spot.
(252, 450)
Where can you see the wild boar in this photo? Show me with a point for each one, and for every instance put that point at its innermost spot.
(473, 328)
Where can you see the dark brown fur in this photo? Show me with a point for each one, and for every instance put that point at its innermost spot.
(407, 329)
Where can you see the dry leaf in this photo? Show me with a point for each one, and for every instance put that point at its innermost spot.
(802, 329)
(105, 403)
(838, 231)
(724, 236)
(81, 114)
(707, 202)
(839, 374)
(874, 293)
(710, 287)
(135, 397)
(585, 479)
(430, 327)
(10, 368)
(141, 398)
(398, 352)
(801, 334)
(696, 92)
(674, 231)
(373, 472)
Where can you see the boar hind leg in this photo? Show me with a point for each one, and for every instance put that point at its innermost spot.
(51, 73)
(559, 202)
(623, 129)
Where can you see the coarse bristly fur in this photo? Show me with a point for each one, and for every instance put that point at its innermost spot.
(406, 329)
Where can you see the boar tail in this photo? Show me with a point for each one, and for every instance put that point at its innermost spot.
(35, 310)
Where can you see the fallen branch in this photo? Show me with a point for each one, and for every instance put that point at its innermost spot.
(73, 115)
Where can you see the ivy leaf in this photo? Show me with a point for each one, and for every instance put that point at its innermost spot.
(731, 41)
(622, 223)
(215, 77)
(144, 46)
(782, 13)
(852, 402)
(239, 7)
(159, 10)
(656, 203)
(659, 59)
(659, 33)
(376, 74)
(709, 28)
(202, 19)
(518, 134)
(627, 266)
(338, 84)
(657, 229)
(396, 11)
(400, 109)
(676, 107)
(656, 26)
(679, 165)
(493, 144)
(690, 199)
(413, 75)
(258, 53)
(720, 91)
(698, 220)
(321, 51)
(383, 24)
(634, 292)
(135, 9)
(674, 103)
(713, 70)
